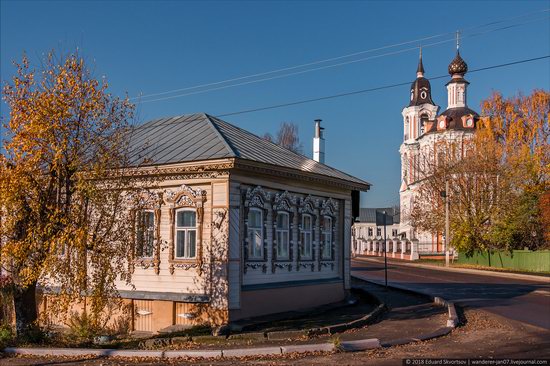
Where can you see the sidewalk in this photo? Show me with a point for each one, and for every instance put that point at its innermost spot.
(410, 316)
(484, 272)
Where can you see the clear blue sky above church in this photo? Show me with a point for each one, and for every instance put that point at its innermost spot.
(154, 46)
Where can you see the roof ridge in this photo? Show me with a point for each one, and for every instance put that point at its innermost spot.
(259, 137)
(282, 148)
(231, 149)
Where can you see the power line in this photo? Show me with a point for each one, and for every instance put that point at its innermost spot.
(372, 89)
(332, 65)
(336, 58)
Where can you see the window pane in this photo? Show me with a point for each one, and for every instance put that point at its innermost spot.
(180, 243)
(254, 219)
(306, 225)
(257, 243)
(148, 250)
(192, 244)
(329, 223)
(282, 221)
(186, 219)
(148, 220)
(145, 223)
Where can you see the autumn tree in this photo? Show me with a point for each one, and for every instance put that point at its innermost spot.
(498, 179)
(287, 137)
(63, 187)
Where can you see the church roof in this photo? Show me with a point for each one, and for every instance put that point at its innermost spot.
(200, 137)
(458, 66)
(455, 115)
(420, 68)
(418, 86)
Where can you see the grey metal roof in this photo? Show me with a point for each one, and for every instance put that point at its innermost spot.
(369, 214)
(199, 137)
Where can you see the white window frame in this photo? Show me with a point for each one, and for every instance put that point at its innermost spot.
(279, 234)
(251, 231)
(379, 231)
(326, 250)
(186, 230)
(149, 230)
(307, 238)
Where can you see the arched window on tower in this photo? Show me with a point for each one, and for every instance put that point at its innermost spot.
(423, 120)
(461, 95)
(405, 165)
(407, 120)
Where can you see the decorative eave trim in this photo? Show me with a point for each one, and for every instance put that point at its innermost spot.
(280, 171)
(207, 168)
(221, 167)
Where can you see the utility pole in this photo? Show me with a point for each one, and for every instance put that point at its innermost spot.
(446, 223)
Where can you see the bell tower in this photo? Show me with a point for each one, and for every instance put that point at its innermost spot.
(416, 117)
(421, 107)
(456, 88)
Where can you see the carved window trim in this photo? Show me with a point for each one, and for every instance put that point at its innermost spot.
(303, 234)
(329, 208)
(310, 206)
(324, 232)
(260, 199)
(147, 201)
(261, 228)
(281, 231)
(181, 198)
(186, 230)
(136, 224)
(284, 203)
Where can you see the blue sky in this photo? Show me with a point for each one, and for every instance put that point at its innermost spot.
(153, 46)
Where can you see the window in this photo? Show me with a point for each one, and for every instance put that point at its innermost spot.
(326, 238)
(378, 231)
(282, 232)
(370, 231)
(461, 95)
(423, 121)
(186, 234)
(305, 248)
(394, 233)
(255, 234)
(407, 119)
(145, 234)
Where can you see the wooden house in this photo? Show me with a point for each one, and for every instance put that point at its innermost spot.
(236, 227)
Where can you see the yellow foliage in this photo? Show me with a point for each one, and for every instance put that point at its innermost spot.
(61, 184)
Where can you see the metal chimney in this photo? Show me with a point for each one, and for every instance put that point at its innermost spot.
(318, 143)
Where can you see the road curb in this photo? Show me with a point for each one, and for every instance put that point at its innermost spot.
(359, 345)
(452, 319)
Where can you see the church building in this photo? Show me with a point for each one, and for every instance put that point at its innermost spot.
(425, 133)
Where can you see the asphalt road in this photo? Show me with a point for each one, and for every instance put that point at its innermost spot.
(527, 301)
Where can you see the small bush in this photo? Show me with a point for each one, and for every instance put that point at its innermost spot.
(81, 327)
(6, 335)
(121, 326)
(337, 343)
(34, 334)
